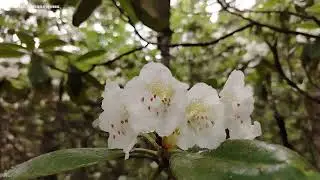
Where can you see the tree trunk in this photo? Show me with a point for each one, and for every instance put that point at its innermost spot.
(164, 40)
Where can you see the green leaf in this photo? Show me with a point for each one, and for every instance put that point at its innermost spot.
(27, 39)
(10, 46)
(10, 53)
(91, 54)
(153, 13)
(84, 10)
(59, 53)
(314, 9)
(75, 82)
(38, 71)
(60, 161)
(128, 8)
(242, 159)
(52, 43)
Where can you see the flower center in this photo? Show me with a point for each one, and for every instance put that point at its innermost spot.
(158, 99)
(198, 116)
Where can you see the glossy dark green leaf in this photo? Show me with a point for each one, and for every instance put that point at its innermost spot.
(242, 160)
(84, 10)
(91, 54)
(52, 43)
(153, 13)
(27, 39)
(60, 161)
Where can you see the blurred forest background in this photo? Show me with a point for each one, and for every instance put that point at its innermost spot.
(55, 61)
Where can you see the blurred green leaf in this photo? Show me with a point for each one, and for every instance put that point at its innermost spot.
(128, 8)
(38, 71)
(153, 13)
(27, 39)
(84, 10)
(314, 9)
(52, 43)
(242, 159)
(75, 84)
(60, 161)
(59, 53)
(91, 54)
(10, 46)
(93, 81)
(10, 53)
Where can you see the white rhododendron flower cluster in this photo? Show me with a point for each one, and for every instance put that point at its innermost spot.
(155, 101)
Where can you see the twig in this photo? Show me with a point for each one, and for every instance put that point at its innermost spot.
(282, 127)
(215, 41)
(274, 28)
(107, 63)
(278, 66)
(303, 16)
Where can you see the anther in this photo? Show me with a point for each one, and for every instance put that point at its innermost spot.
(142, 99)
(149, 108)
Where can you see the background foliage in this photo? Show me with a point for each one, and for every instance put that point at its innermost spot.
(63, 69)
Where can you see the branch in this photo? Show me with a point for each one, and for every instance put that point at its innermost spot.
(200, 44)
(278, 66)
(129, 21)
(107, 63)
(282, 128)
(302, 16)
(225, 7)
(215, 41)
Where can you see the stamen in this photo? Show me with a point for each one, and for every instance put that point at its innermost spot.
(119, 132)
(114, 136)
(149, 108)
(142, 99)
(126, 121)
(122, 122)
(112, 126)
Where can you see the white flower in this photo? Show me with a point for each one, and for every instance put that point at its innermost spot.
(203, 125)
(155, 100)
(115, 120)
(238, 101)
